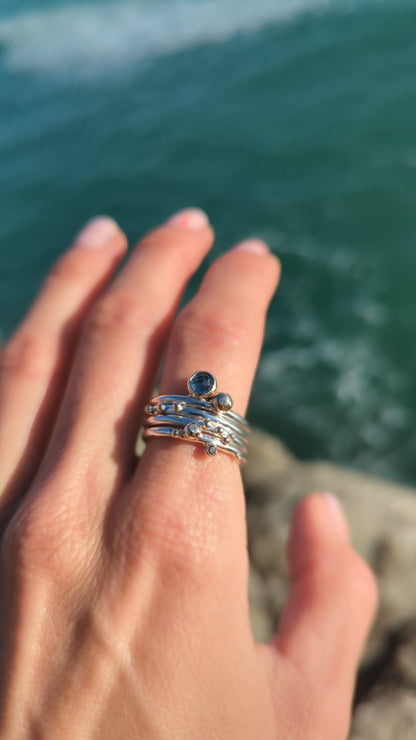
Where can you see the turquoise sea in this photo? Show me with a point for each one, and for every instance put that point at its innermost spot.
(294, 120)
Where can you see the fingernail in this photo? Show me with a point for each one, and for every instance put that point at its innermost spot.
(97, 233)
(190, 218)
(337, 515)
(256, 246)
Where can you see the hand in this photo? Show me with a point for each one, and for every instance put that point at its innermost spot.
(124, 607)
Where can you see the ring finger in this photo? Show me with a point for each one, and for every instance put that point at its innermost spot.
(187, 498)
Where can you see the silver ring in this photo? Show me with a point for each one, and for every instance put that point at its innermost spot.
(202, 417)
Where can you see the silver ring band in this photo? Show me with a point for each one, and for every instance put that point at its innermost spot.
(203, 417)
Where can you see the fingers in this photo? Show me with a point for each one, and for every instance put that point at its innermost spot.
(331, 605)
(222, 328)
(34, 364)
(191, 507)
(119, 352)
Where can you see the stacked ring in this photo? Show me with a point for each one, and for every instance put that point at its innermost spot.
(203, 417)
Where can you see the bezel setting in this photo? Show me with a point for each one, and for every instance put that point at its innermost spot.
(202, 384)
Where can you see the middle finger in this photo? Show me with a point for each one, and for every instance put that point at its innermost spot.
(119, 353)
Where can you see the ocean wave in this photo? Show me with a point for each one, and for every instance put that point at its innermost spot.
(360, 413)
(90, 39)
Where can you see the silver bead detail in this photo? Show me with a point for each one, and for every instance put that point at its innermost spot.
(192, 430)
(223, 402)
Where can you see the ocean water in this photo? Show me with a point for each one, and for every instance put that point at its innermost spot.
(294, 120)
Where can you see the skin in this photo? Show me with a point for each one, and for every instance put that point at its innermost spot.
(124, 609)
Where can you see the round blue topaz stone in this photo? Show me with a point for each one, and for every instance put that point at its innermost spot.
(202, 385)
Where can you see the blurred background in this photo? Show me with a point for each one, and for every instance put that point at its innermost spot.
(292, 120)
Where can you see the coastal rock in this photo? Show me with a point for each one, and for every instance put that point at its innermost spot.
(392, 715)
(382, 518)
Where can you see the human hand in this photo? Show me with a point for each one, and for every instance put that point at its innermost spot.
(124, 608)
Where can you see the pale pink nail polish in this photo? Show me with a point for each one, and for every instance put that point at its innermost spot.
(97, 233)
(190, 218)
(255, 246)
(336, 515)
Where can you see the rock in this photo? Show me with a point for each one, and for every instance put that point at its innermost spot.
(391, 716)
(382, 518)
(405, 657)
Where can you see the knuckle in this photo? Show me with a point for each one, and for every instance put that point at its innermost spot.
(40, 539)
(179, 545)
(225, 328)
(70, 268)
(24, 538)
(362, 583)
(155, 240)
(348, 576)
(165, 238)
(115, 312)
(27, 355)
(314, 565)
(319, 577)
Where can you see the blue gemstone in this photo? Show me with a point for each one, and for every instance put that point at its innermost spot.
(202, 384)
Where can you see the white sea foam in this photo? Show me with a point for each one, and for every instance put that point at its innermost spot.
(355, 425)
(89, 39)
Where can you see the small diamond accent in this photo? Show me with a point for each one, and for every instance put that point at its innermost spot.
(192, 430)
(211, 449)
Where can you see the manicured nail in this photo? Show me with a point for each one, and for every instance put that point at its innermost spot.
(190, 218)
(256, 246)
(337, 515)
(97, 233)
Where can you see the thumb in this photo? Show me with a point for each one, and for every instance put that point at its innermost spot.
(331, 604)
